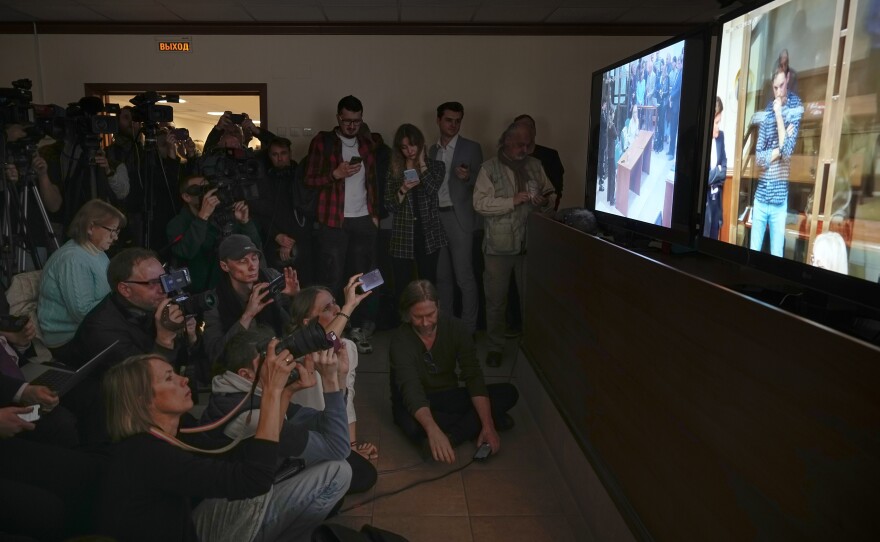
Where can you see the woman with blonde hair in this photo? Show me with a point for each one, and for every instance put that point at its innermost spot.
(74, 279)
(829, 252)
(154, 474)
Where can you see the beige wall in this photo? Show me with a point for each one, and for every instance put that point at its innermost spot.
(398, 78)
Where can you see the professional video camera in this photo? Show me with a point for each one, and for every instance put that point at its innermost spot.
(175, 281)
(146, 110)
(15, 103)
(234, 173)
(85, 119)
(302, 341)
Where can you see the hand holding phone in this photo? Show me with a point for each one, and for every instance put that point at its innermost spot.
(411, 176)
(355, 160)
(370, 281)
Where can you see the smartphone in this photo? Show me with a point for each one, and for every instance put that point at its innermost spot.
(464, 165)
(237, 118)
(411, 175)
(355, 161)
(276, 285)
(371, 280)
(181, 134)
(332, 338)
(483, 452)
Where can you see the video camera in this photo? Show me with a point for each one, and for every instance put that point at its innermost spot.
(175, 281)
(234, 173)
(37, 121)
(90, 117)
(15, 103)
(302, 341)
(146, 111)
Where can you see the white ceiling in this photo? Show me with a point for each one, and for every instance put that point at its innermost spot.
(620, 12)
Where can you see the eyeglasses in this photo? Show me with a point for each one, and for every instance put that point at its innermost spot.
(113, 231)
(429, 361)
(351, 122)
(151, 282)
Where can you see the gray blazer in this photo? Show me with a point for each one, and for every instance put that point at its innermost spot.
(462, 192)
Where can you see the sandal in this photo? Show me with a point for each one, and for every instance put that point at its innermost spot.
(366, 449)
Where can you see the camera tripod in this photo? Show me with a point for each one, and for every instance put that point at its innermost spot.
(152, 162)
(16, 241)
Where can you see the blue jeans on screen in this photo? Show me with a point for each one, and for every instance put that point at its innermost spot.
(764, 214)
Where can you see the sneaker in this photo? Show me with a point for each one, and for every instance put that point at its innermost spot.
(360, 339)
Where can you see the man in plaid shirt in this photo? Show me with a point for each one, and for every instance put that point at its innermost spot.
(342, 167)
(776, 140)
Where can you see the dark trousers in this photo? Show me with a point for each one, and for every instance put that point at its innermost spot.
(454, 412)
(425, 267)
(46, 492)
(363, 473)
(712, 222)
(345, 251)
(612, 174)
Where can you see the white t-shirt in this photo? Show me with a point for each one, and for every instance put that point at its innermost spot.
(356, 185)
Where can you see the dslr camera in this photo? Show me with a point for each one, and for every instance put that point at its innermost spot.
(234, 173)
(302, 341)
(175, 282)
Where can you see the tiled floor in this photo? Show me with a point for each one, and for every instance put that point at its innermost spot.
(516, 495)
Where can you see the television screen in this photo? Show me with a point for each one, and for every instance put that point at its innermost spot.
(793, 161)
(646, 120)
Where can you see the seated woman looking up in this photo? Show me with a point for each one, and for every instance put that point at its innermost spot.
(75, 277)
(153, 477)
(317, 303)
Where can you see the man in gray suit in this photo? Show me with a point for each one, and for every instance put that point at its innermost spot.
(463, 158)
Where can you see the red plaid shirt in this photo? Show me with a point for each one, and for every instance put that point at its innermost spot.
(321, 163)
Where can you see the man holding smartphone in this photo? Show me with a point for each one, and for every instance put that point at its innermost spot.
(342, 167)
(462, 158)
(244, 296)
(509, 188)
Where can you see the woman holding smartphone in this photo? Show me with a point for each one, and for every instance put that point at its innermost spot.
(411, 194)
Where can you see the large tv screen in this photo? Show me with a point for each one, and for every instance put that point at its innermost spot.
(792, 171)
(646, 120)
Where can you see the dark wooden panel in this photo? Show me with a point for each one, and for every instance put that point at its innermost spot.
(708, 415)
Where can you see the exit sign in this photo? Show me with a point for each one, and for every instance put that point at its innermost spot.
(174, 45)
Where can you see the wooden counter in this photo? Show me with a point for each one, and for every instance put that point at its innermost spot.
(707, 415)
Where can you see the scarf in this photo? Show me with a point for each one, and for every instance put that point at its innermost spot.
(519, 170)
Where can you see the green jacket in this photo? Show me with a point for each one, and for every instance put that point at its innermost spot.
(197, 249)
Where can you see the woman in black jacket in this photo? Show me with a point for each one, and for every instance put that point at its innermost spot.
(153, 476)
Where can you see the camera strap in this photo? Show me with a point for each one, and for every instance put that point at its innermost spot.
(158, 433)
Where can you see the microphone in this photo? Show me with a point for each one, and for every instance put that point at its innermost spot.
(167, 247)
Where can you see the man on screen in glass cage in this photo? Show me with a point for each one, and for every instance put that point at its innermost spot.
(776, 139)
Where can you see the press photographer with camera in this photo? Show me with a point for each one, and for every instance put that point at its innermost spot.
(239, 126)
(194, 233)
(247, 295)
(314, 442)
(153, 475)
(137, 312)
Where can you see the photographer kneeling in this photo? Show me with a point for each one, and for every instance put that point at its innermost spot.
(195, 231)
(244, 298)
